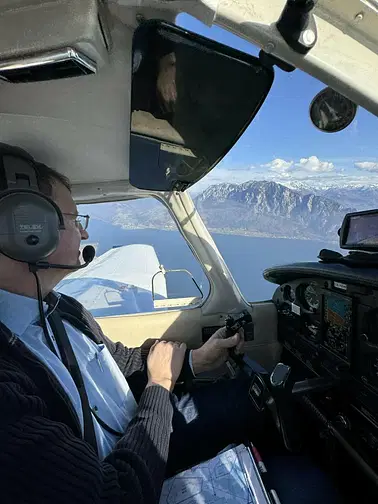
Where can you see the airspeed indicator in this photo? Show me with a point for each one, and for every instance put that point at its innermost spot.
(311, 297)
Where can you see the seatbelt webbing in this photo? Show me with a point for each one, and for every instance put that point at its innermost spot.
(70, 361)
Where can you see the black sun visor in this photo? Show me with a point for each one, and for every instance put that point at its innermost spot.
(191, 99)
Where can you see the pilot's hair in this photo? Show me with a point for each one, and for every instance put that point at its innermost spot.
(47, 177)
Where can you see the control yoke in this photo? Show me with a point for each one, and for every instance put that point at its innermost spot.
(234, 324)
(283, 390)
(232, 327)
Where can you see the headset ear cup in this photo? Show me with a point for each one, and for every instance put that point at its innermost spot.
(30, 225)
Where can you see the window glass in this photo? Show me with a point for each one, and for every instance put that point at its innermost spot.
(281, 193)
(137, 247)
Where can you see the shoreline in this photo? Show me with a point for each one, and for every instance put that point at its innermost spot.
(227, 232)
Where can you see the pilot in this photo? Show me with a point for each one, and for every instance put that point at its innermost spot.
(140, 428)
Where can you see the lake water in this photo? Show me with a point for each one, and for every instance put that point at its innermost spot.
(247, 257)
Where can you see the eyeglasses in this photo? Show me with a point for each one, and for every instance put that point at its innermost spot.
(81, 221)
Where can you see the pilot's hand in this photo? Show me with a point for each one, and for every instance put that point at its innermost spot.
(215, 351)
(164, 363)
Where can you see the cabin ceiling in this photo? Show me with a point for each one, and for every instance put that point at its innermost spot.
(80, 126)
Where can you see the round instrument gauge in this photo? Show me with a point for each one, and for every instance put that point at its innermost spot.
(332, 112)
(311, 297)
(289, 293)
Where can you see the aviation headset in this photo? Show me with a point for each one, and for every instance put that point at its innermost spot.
(29, 220)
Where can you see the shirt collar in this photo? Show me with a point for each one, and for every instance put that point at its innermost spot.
(18, 312)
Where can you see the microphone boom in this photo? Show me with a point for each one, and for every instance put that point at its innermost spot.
(89, 253)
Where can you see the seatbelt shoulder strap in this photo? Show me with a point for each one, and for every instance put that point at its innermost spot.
(70, 361)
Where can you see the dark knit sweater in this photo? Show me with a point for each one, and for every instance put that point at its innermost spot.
(43, 458)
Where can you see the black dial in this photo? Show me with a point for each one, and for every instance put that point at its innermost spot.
(331, 112)
(289, 293)
(311, 297)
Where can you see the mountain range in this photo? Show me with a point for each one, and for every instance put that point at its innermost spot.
(255, 208)
(357, 195)
(262, 208)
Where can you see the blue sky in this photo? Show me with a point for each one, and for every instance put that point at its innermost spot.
(282, 144)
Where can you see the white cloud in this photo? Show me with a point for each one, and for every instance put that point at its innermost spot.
(367, 166)
(314, 165)
(311, 164)
(279, 166)
(311, 170)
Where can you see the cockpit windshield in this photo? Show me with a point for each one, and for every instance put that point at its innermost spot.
(280, 195)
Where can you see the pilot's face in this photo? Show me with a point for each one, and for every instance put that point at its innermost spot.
(68, 249)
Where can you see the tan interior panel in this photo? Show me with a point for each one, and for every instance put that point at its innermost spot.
(186, 325)
(133, 330)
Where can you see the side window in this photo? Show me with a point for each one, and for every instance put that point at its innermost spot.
(142, 263)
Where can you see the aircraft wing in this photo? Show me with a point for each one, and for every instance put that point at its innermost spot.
(119, 282)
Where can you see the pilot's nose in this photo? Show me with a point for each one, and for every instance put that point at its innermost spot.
(84, 234)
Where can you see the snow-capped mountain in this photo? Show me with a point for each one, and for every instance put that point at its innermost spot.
(270, 209)
(256, 208)
(352, 194)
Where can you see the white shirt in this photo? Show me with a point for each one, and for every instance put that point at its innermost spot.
(107, 389)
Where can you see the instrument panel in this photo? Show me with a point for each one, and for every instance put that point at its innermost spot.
(331, 329)
(333, 321)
